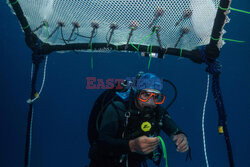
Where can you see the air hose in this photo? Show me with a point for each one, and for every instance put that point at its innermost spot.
(164, 150)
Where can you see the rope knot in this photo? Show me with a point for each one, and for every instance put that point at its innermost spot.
(214, 66)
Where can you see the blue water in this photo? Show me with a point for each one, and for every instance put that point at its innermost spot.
(61, 113)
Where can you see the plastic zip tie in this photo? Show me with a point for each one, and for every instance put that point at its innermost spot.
(26, 27)
(227, 39)
(234, 9)
(145, 38)
(133, 46)
(150, 57)
(181, 53)
(13, 3)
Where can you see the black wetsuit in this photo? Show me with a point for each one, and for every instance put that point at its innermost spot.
(114, 135)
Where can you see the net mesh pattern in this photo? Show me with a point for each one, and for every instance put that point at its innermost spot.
(188, 21)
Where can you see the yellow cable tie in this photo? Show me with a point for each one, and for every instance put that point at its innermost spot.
(220, 129)
(36, 95)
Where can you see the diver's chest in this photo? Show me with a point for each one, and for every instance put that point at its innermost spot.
(141, 124)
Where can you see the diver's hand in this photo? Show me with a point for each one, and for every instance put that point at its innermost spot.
(181, 142)
(144, 145)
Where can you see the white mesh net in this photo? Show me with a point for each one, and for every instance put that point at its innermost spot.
(188, 21)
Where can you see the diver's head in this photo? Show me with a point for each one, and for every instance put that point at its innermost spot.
(148, 91)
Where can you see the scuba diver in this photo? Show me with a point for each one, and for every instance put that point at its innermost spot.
(123, 130)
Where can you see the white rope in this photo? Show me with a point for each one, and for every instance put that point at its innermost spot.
(31, 101)
(44, 76)
(203, 126)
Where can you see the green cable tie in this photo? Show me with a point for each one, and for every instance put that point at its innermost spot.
(47, 31)
(222, 8)
(147, 48)
(26, 27)
(141, 40)
(164, 150)
(46, 26)
(227, 39)
(237, 10)
(13, 3)
(133, 46)
(233, 40)
(150, 57)
(116, 47)
(181, 53)
(145, 38)
(91, 56)
(151, 46)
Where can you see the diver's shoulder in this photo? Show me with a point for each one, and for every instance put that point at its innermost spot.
(119, 104)
(162, 110)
